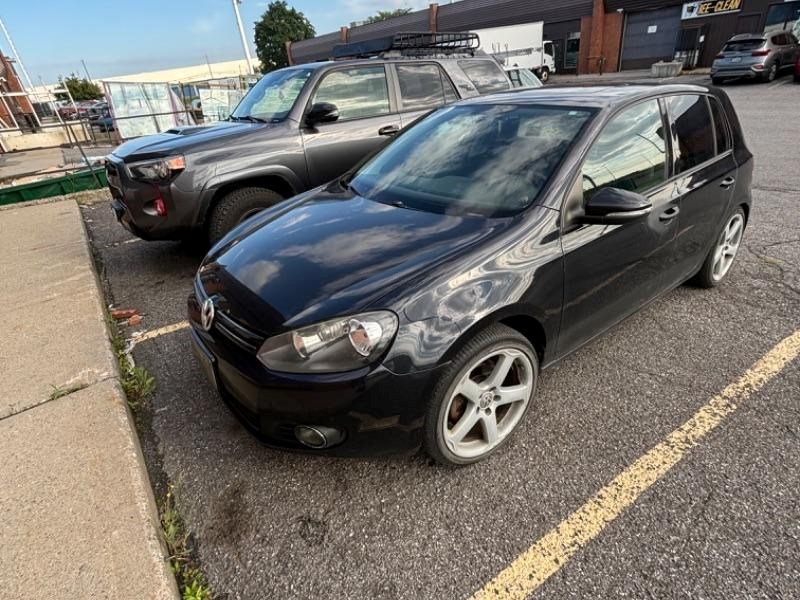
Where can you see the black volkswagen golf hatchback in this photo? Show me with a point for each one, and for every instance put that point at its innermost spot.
(415, 300)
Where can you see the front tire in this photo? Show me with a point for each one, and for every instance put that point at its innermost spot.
(482, 397)
(236, 206)
(720, 258)
(717, 80)
(544, 74)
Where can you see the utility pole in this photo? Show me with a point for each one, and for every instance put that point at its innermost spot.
(245, 45)
(89, 77)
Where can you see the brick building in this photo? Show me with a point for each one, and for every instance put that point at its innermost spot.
(590, 35)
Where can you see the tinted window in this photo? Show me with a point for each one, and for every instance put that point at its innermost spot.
(486, 75)
(423, 86)
(630, 153)
(720, 127)
(743, 45)
(357, 92)
(474, 159)
(692, 129)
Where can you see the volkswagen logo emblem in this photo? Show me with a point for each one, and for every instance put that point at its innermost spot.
(207, 314)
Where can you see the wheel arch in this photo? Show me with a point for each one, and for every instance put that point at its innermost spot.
(517, 318)
(284, 184)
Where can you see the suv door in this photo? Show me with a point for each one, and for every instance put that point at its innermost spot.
(705, 172)
(421, 87)
(612, 270)
(367, 118)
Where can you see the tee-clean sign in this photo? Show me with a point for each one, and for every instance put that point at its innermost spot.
(695, 10)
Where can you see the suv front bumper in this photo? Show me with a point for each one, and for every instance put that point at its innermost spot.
(133, 203)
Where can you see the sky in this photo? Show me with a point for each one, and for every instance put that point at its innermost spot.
(120, 37)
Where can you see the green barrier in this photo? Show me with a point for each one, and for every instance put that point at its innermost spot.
(58, 186)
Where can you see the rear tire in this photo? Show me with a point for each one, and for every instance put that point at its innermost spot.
(770, 74)
(236, 206)
(481, 397)
(712, 273)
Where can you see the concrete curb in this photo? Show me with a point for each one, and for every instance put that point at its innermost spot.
(79, 516)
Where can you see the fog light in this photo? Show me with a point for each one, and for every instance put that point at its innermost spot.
(318, 437)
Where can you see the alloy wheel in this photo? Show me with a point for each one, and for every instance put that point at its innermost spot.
(728, 245)
(773, 71)
(487, 402)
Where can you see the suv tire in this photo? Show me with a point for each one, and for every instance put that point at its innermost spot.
(236, 206)
(495, 340)
(717, 80)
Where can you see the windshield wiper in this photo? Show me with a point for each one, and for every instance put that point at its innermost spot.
(250, 118)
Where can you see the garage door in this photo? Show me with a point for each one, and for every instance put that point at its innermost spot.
(650, 36)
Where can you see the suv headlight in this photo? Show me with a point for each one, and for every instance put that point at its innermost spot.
(159, 169)
(332, 346)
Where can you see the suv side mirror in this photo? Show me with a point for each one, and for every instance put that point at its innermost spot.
(322, 112)
(611, 206)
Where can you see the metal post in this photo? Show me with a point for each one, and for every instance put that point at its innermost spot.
(243, 36)
(85, 158)
(8, 110)
(89, 77)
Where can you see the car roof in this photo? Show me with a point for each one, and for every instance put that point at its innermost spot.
(592, 96)
(388, 59)
(749, 36)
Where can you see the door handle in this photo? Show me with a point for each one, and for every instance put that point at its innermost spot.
(389, 130)
(669, 214)
(727, 182)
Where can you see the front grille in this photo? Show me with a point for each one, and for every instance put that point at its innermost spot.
(227, 325)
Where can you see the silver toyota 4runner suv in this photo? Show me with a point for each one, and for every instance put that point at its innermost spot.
(297, 128)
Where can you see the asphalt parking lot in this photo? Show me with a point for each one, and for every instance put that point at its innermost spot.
(723, 522)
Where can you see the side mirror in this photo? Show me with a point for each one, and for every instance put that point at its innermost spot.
(612, 206)
(322, 112)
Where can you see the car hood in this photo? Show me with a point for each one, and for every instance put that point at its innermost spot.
(184, 139)
(330, 255)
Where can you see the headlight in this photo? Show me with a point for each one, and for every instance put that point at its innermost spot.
(332, 346)
(159, 169)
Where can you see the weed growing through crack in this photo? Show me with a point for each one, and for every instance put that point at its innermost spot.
(136, 382)
(191, 580)
(61, 391)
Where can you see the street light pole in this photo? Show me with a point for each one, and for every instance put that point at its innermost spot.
(244, 37)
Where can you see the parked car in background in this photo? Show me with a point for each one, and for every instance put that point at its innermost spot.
(522, 78)
(297, 128)
(521, 45)
(755, 56)
(414, 300)
(103, 121)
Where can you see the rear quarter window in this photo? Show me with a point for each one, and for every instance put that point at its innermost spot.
(486, 75)
(692, 131)
(743, 45)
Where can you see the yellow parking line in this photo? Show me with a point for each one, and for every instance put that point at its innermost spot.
(532, 568)
(154, 333)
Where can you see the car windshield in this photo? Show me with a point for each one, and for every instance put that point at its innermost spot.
(273, 96)
(489, 160)
(743, 45)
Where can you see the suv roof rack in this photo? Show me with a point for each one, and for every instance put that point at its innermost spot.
(411, 44)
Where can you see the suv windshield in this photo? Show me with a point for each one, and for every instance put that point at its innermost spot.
(473, 159)
(273, 96)
(743, 45)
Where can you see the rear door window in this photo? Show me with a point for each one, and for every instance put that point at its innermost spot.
(423, 87)
(691, 130)
(720, 127)
(486, 75)
(357, 93)
(630, 153)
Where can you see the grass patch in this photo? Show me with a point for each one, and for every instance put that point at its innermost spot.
(59, 391)
(191, 581)
(136, 382)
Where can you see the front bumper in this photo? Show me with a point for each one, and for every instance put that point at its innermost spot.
(133, 204)
(378, 411)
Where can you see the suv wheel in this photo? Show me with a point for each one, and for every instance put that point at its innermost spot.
(236, 206)
(771, 73)
(481, 397)
(717, 80)
(544, 74)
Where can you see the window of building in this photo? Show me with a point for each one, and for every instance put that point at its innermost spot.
(423, 87)
(692, 129)
(720, 127)
(486, 75)
(358, 92)
(630, 153)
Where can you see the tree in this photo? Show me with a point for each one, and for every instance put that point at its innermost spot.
(80, 88)
(279, 24)
(382, 15)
